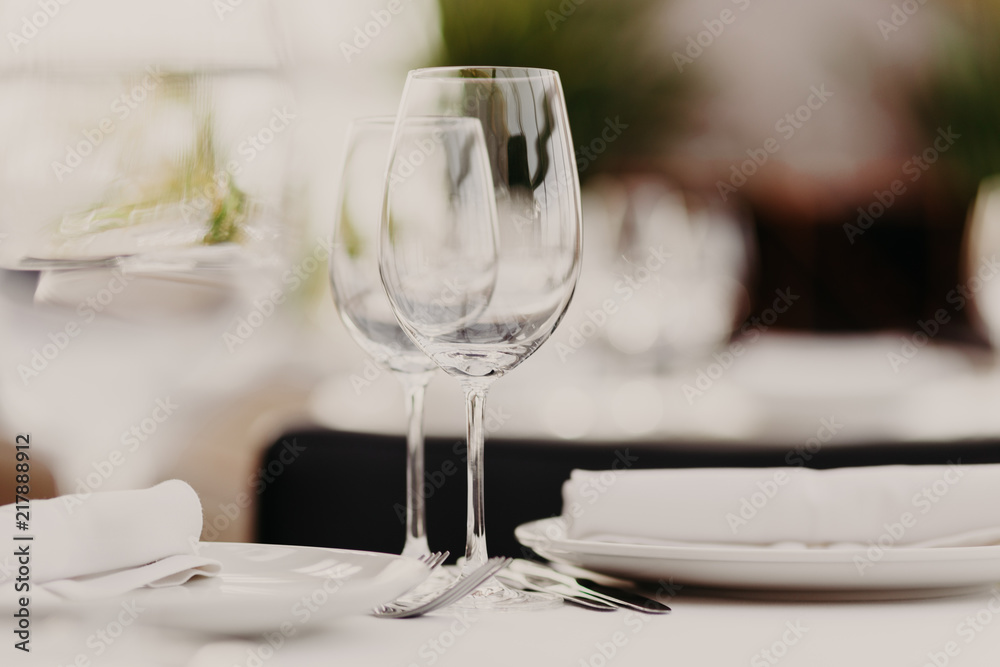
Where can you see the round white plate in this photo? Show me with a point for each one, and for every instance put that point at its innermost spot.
(264, 588)
(921, 571)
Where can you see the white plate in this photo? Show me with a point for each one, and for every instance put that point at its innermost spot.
(851, 572)
(271, 588)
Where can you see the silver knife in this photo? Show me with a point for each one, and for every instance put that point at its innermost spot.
(567, 593)
(623, 598)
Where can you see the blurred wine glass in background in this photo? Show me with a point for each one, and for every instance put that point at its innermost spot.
(683, 269)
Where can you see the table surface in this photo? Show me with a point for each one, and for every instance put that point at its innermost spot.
(704, 629)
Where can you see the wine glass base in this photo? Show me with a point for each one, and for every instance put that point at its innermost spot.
(494, 596)
(431, 587)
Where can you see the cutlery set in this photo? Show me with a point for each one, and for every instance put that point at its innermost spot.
(523, 575)
(453, 592)
(533, 575)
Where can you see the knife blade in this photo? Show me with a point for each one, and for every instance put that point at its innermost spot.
(635, 600)
(618, 596)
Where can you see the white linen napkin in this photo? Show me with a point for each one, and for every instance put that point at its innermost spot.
(104, 544)
(916, 506)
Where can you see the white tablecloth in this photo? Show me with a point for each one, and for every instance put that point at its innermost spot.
(702, 630)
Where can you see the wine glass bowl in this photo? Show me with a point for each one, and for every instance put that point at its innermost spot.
(354, 271)
(536, 195)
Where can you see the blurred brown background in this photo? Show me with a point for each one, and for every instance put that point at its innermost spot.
(703, 85)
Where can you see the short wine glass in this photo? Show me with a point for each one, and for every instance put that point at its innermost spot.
(479, 286)
(362, 304)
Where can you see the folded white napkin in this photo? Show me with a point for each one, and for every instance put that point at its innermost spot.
(105, 544)
(953, 505)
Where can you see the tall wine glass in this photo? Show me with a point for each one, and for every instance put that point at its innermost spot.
(361, 301)
(479, 296)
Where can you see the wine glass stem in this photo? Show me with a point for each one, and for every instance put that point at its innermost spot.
(414, 385)
(475, 405)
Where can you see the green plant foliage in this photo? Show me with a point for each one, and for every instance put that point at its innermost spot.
(354, 245)
(603, 52)
(197, 176)
(963, 91)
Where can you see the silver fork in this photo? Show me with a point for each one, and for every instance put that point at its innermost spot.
(455, 591)
(432, 560)
(428, 587)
